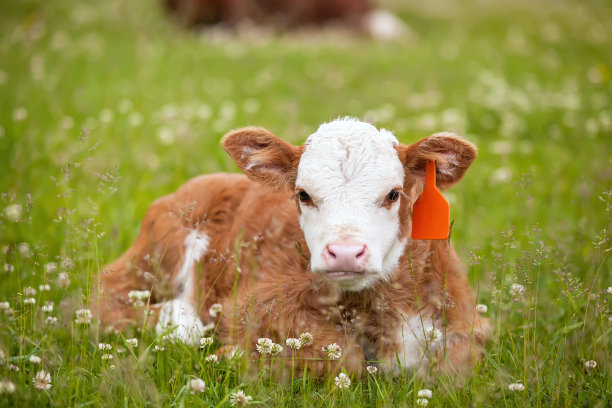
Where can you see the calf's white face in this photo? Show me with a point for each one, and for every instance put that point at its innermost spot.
(348, 183)
(348, 179)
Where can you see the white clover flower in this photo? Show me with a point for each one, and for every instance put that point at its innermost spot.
(132, 342)
(517, 289)
(482, 309)
(44, 288)
(264, 345)
(433, 335)
(13, 212)
(9, 268)
(24, 250)
(159, 348)
(215, 309)
(139, 295)
(42, 381)
(51, 320)
(293, 343)
(332, 351)
(591, 364)
(516, 387)
(208, 328)
(63, 280)
(35, 359)
(276, 349)
(240, 399)
(14, 368)
(29, 291)
(609, 290)
(107, 357)
(29, 301)
(83, 316)
(120, 350)
(206, 341)
(7, 387)
(48, 308)
(5, 305)
(212, 358)
(306, 339)
(197, 385)
(425, 393)
(104, 347)
(342, 381)
(51, 267)
(112, 366)
(422, 402)
(371, 369)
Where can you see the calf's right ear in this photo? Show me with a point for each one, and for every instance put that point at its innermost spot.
(263, 157)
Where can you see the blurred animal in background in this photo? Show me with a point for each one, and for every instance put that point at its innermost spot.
(287, 14)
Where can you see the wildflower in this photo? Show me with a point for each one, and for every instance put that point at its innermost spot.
(332, 351)
(239, 399)
(208, 328)
(24, 250)
(136, 295)
(104, 347)
(35, 359)
(433, 334)
(422, 402)
(112, 366)
(9, 268)
(482, 309)
(609, 290)
(9, 311)
(14, 368)
(371, 369)
(83, 316)
(48, 308)
(212, 358)
(5, 305)
(44, 288)
(342, 381)
(138, 304)
(517, 289)
(516, 387)
(425, 393)
(29, 291)
(29, 301)
(120, 350)
(293, 343)
(63, 280)
(7, 387)
(51, 267)
(264, 345)
(132, 342)
(107, 357)
(159, 348)
(13, 212)
(591, 364)
(51, 320)
(215, 309)
(206, 341)
(197, 385)
(306, 339)
(42, 381)
(276, 349)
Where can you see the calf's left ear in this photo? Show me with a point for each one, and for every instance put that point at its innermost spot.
(263, 157)
(452, 154)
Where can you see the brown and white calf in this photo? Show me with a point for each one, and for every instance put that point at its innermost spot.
(315, 238)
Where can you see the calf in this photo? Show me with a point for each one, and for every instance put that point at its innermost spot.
(314, 239)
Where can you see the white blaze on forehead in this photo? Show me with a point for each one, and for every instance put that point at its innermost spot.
(347, 168)
(350, 155)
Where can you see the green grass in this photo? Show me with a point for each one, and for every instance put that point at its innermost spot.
(123, 106)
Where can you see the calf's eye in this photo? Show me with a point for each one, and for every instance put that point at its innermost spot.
(393, 196)
(304, 197)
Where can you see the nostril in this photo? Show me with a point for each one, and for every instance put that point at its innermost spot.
(330, 253)
(361, 253)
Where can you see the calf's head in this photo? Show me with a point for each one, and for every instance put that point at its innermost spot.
(350, 181)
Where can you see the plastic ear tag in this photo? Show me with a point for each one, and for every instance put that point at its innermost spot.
(431, 211)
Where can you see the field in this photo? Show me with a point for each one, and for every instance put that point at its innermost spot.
(105, 106)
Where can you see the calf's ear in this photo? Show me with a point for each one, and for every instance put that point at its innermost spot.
(452, 154)
(263, 157)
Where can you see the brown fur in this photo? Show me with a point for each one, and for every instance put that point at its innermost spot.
(257, 246)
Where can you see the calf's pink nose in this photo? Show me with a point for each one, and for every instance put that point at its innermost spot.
(345, 256)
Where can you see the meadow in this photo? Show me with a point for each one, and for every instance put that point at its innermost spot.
(105, 106)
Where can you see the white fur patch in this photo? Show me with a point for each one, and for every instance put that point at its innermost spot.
(179, 320)
(348, 168)
(179, 315)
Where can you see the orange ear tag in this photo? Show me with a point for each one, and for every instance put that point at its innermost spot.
(431, 212)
